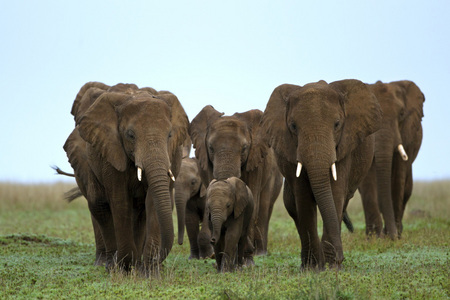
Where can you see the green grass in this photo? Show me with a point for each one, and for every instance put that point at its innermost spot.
(47, 252)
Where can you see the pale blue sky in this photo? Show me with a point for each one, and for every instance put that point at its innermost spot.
(230, 54)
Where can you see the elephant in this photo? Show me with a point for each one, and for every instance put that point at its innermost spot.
(322, 135)
(190, 199)
(228, 146)
(132, 154)
(388, 186)
(229, 208)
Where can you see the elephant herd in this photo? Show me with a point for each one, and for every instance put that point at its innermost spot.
(130, 154)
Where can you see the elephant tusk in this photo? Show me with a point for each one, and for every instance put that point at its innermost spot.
(139, 174)
(402, 152)
(299, 169)
(333, 171)
(171, 175)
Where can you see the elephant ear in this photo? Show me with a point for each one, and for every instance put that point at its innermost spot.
(76, 151)
(273, 124)
(197, 131)
(91, 84)
(259, 146)
(242, 195)
(85, 102)
(363, 114)
(99, 127)
(180, 123)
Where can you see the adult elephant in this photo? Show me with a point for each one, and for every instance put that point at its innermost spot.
(134, 144)
(228, 146)
(389, 184)
(322, 137)
(190, 199)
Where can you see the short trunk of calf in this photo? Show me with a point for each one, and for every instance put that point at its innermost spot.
(319, 177)
(158, 185)
(181, 199)
(216, 229)
(384, 173)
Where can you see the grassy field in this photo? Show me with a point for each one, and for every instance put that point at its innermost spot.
(47, 251)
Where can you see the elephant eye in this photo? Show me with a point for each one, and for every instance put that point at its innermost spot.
(194, 181)
(244, 148)
(210, 148)
(293, 127)
(228, 204)
(130, 135)
(170, 134)
(337, 123)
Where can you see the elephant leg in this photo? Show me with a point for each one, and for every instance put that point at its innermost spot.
(122, 212)
(139, 227)
(232, 235)
(218, 250)
(312, 253)
(100, 246)
(192, 228)
(204, 238)
(330, 253)
(369, 198)
(266, 203)
(101, 215)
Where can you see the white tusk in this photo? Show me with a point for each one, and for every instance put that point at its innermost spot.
(402, 152)
(139, 174)
(333, 171)
(299, 169)
(171, 175)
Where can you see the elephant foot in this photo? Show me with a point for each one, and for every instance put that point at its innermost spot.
(260, 251)
(100, 260)
(248, 261)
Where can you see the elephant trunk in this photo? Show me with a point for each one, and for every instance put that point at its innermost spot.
(158, 199)
(319, 161)
(217, 222)
(227, 164)
(181, 198)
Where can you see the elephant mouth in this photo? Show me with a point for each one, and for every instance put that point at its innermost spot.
(333, 169)
(139, 174)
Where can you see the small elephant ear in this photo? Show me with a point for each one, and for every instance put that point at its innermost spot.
(197, 131)
(243, 196)
(363, 114)
(99, 127)
(180, 123)
(259, 146)
(83, 90)
(273, 125)
(202, 190)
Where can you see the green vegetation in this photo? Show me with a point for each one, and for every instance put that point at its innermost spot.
(47, 251)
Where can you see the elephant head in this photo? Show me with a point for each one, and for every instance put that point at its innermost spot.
(188, 185)
(140, 133)
(226, 199)
(227, 145)
(315, 128)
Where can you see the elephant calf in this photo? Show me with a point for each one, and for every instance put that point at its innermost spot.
(190, 198)
(229, 207)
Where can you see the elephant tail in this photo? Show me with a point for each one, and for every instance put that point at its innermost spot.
(61, 172)
(348, 223)
(73, 194)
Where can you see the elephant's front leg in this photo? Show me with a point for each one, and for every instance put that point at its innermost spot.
(369, 198)
(232, 236)
(122, 211)
(100, 246)
(312, 253)
(192, 228)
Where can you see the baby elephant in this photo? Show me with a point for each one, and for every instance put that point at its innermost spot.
(229, 207)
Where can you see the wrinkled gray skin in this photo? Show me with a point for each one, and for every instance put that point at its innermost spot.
(123, 129)
(190, 198)
(229, 207)
(388, 186)
(319, 125)
(228, 146)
